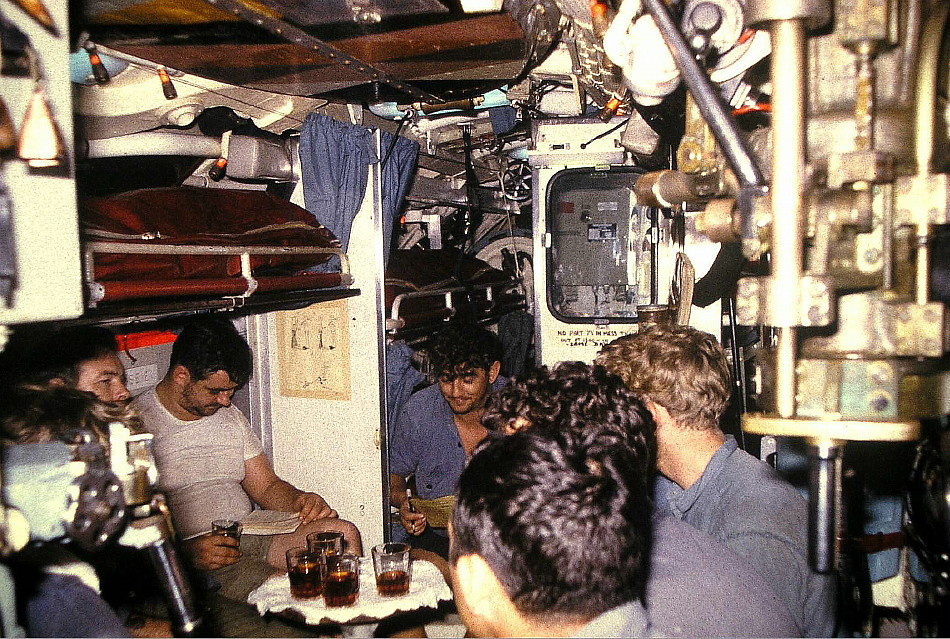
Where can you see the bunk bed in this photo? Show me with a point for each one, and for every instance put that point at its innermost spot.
(425, 288)
(159, 249)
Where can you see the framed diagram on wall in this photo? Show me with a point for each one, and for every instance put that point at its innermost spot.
(314, 351)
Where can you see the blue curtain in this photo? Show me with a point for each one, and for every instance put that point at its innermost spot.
(334, 158)
(398, 171)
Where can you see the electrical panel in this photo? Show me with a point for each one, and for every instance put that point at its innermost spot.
(596, 246)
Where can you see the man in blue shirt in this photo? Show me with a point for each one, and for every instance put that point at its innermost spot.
(683, 377)
(441, 425)
(684, 562)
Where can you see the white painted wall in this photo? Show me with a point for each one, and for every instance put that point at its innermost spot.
(330, 446)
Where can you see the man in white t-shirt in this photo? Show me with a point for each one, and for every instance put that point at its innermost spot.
(212, 466)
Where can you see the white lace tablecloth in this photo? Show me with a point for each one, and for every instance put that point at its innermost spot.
(426, 589)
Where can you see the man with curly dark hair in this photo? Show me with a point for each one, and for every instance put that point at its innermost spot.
(440, 425)
(213, 466)
(551, 536)
(682, 562)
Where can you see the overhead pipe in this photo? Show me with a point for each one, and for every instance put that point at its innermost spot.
(154, 143)
(751, 181)
(393, 111)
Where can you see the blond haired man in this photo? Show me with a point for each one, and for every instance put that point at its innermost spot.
(683, 377)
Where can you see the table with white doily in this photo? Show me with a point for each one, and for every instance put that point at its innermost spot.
(426, 590)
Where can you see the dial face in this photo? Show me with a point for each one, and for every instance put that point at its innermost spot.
(722, 20)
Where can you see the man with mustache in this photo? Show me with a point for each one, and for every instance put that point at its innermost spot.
(440, 426)
(212, 466)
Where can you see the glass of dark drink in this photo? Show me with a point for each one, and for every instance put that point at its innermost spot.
(342, 586)
(306, 571)
(393, 569)
(226, 528)
(330, 543)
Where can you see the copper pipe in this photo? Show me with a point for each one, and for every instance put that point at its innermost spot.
(137, 289)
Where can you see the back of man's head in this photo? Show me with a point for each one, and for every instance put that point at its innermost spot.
(210, 344)
(682, 369)
(463, 344)
(573, 395)
(562, 518)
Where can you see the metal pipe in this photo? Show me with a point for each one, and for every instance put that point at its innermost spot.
(925, 94)
(864, 99)
(154, 143)
(824, 485)
(788, 207)
(925, 116)
(911, 49)
(887, 236)
(666, 188)
(655, 256)
(178, 595)
(922, 283)
(707, 98)
(737, 363)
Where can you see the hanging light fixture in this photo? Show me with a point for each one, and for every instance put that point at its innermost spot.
(41, 143)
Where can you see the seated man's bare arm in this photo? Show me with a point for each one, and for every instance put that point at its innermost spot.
(414, 523)
(263, 485)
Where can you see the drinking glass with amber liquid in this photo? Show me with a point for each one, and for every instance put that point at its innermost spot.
(329, 543)
(306, 571)
(393, 569)
(226, 528)
(342, 585)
